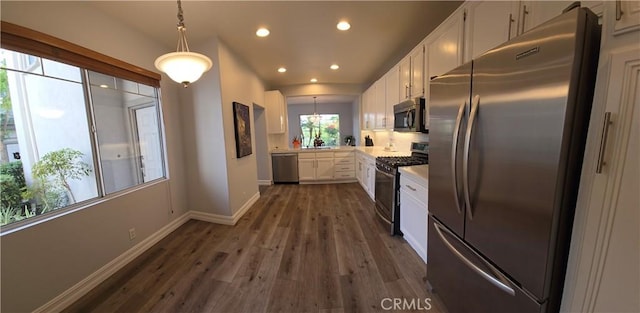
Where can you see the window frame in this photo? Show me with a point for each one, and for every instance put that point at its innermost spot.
(339, 142)
(24, 40)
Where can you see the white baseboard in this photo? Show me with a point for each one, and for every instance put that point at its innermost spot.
(267, 182)
(225, 219)
(416, 246)
(78, 290)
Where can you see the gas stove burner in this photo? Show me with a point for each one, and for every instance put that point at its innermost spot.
(396, 161)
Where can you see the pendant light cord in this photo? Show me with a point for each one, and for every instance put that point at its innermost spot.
(180, 16)
(183, 46)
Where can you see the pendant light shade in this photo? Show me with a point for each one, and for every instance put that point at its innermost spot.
(183, 66)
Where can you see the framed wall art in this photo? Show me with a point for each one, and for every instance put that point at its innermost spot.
(242, 124)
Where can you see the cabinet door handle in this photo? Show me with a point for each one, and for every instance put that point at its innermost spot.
(619, 10)
(524, 16)
(509, 25)
(409, 186)
(603, 142)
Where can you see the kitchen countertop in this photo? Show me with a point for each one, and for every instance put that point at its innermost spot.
(374, 151)
(420, 173)
(309, 150)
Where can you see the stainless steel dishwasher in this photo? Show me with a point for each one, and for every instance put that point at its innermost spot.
(285, 167)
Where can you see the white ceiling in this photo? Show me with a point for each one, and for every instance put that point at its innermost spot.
(322, 99)
(304, 38)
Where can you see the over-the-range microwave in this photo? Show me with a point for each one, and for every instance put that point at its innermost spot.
(409, 115)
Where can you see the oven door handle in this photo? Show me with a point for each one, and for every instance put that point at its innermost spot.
(380, 214)
(385, 173)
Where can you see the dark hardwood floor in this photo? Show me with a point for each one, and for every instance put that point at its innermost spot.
(300, 248)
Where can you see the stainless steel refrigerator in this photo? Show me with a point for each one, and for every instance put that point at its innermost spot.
(507, 135)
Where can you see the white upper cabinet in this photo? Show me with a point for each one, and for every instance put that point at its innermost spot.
(627, 15)
(445, 46)
(374, 106)
(379, 103)
(367, 120)
(412, 74)
(489, 23)
(392, 82)
(416, 85)
(276, 112)
(405, 78)
(534, 13)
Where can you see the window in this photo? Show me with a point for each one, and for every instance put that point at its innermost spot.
(70, 134)
(325, 127)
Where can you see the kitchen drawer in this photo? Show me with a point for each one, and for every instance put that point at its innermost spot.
(345, 175)
(340, 167)
(344, 154)
(306, 155)
(412, 188)
(345, 160)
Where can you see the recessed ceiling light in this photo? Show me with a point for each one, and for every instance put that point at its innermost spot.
(343, 25)
(314, 80)
(282, 70)
(104, 86)
(262, 32)
(334, 66)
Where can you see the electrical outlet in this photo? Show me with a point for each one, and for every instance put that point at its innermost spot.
(132, 233)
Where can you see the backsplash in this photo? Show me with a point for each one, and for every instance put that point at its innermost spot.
(278, 141)
(401, 140)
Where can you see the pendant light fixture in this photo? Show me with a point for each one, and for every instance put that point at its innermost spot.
(183, 66)
(315, 117)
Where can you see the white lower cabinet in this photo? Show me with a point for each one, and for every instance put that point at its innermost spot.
(324, 168)
(306, 168)
(366, 173)
(370, 177)
(413, 213)
(344, 166)
(360, 168)
(315, 166)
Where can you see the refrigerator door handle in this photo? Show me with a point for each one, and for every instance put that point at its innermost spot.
(454, 155)
(500, 282)
(465, 158)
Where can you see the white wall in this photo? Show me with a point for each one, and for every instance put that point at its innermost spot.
(204, 139)
(239, 84)
(219, 182)
(263, 158)
(44, 260)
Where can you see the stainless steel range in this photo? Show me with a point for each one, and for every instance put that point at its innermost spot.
(387, 189)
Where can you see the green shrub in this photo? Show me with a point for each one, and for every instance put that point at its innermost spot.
(6, 215)
(61, 166)
(10, 193)
(48, 196)
(14, 169)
